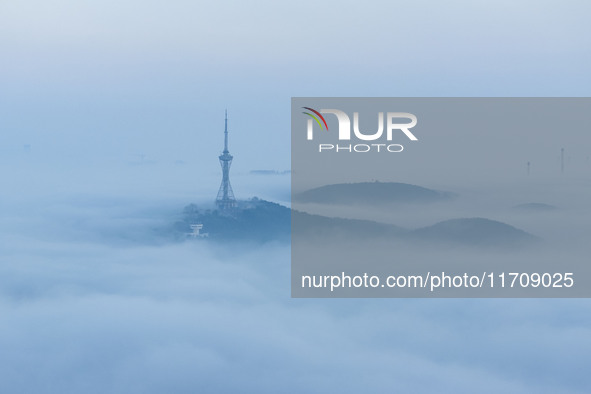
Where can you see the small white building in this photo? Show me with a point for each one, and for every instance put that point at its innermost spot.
(197, 231)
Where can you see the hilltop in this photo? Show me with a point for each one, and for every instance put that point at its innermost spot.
(371, 193)
(252, 220)
(473, 232)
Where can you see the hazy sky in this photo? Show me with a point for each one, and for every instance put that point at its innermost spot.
(112, 79)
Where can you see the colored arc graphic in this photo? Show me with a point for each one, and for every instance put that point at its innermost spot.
(315, 118)
(317, 113)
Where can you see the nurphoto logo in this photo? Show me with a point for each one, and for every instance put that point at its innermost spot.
(391, 119)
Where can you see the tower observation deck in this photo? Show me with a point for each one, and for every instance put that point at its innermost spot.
(225, 199)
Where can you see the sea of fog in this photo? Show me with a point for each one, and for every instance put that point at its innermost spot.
(92, 301)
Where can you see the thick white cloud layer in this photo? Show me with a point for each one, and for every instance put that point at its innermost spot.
(98, 309)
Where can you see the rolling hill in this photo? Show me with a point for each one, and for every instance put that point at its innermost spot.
(371, 193)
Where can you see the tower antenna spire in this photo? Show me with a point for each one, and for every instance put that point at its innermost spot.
(225, 199)
(226, 134)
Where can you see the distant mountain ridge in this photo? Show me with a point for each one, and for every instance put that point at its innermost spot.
(262, 221)
(535, 207)
(478, 232)
(322, 226)
(474, 232)
(371, 193)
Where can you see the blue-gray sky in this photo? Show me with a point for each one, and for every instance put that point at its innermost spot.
(111, 114)
(112, 79)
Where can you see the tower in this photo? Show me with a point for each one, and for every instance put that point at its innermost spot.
(225, 199)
